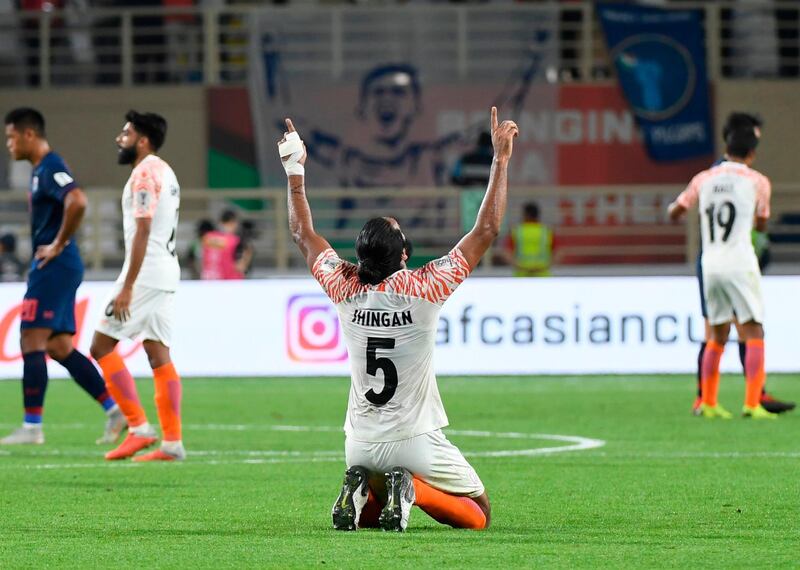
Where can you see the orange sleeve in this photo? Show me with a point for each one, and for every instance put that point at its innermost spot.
(441, 277)
(146, 188)
(688, 198)
(337, 277)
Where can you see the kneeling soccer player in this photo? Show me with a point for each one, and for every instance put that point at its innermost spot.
(396, 453)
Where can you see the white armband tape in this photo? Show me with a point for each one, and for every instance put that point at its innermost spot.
(291, 151)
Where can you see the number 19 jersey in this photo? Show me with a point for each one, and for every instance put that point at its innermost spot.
(152, 191)
(729, 196)
(390, 333)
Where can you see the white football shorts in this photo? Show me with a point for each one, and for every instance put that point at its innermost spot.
(151, 314)
(429, 456)
(732, 295)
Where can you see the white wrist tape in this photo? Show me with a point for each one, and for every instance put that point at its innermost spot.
(291, 151)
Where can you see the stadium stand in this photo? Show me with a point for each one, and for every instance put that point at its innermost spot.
(107, 45)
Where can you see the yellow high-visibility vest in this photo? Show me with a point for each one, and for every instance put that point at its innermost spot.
(533, 250)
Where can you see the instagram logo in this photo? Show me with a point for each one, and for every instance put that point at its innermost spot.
(312, 330)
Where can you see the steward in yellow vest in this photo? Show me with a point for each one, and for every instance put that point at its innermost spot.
(533, 245)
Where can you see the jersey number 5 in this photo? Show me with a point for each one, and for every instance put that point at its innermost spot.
(389, 370)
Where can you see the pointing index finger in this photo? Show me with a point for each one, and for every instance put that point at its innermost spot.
(494, 118)
(289, 125)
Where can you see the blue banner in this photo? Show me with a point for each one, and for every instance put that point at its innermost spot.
(660, 60)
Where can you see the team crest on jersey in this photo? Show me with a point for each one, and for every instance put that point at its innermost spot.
(62, 178)
(143, 199)
(330, 264)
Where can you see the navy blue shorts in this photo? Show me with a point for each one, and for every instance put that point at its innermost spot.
(700, 281)
(50, 299)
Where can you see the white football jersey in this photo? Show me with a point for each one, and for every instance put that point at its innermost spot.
(729, 195)
(390, 333)
(153, 192)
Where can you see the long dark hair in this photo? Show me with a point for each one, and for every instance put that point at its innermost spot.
(379, 248)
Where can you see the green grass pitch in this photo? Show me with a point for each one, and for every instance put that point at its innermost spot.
(665, 490)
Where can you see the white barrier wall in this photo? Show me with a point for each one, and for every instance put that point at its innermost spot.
(489, 326)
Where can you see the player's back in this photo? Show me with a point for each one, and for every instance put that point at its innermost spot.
(390, 333)
(152, 191)
(730, 195)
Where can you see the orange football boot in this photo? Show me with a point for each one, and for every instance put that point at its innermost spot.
(158, 455)
(130, 446)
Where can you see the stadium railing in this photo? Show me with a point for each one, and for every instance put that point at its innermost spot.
(212, 45)
(598, 226)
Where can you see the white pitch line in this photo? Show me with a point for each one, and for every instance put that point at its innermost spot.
(262, 457)
(711, 454)
(194, 453)
(340, 457)
(578, 443)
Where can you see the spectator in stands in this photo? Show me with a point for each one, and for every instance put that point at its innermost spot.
(11, 268)
(194, 253)
(245, 251)
(473, 168)
(531, 245)
(223, 258)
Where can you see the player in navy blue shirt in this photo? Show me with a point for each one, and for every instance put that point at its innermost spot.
(47, 319)
(771, 404)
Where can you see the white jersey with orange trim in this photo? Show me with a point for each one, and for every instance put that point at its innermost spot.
(729, 196)
(153, 192)
(390, 333)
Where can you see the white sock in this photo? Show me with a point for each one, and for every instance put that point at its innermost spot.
(172, 446)
(143, 429)
(112, 410)
(28, 425)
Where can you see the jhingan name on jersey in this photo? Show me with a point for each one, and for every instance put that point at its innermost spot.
(370, 318)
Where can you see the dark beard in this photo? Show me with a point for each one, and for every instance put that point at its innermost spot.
(126, 155)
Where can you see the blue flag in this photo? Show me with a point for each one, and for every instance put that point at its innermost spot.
(660, 60)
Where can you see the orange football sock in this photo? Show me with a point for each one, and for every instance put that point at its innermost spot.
(371, 512)
(458, 512)
(168, 400)
(122, 388)
(710, 372)
(754, 372)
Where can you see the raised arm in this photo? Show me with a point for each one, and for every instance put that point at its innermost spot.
(493, 208)
(301, 225)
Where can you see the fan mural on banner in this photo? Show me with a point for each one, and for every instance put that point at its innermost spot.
(398, 125)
